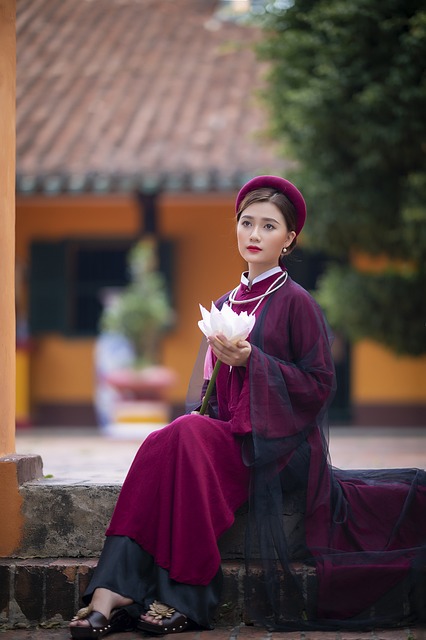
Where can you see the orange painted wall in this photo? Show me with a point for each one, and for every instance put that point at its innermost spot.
(49, 218)
(22, 386)
(380, 376)
(62, 370)
(207, 265)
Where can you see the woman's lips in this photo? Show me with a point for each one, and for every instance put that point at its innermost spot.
(254, 249)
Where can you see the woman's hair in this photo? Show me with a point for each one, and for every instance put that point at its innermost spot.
(283, 204)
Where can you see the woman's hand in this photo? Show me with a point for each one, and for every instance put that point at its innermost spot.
(232, 354)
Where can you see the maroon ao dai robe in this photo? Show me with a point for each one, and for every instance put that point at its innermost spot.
(362, 530)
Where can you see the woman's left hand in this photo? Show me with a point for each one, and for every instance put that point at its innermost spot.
(232, 354)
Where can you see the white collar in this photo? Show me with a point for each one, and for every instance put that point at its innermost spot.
(263, 276)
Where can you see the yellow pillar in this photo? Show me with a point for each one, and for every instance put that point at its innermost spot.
(10, 501)
(13, 468)
(7, 224)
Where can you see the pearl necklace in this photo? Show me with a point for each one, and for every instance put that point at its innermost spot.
(273, 287)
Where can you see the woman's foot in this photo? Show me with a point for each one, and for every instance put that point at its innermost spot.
(103, 615)
(158, 612)
(103, 601)
(161, 619)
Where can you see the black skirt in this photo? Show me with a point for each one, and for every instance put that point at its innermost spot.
(125, 568)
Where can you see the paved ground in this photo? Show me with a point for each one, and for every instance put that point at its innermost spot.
(86, 455)
(234, 633)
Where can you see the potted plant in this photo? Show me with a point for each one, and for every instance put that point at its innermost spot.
(141, 313)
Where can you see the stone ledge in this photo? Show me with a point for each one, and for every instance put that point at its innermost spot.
(28, 467)
(66, 520)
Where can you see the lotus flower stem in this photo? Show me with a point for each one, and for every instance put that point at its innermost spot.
(210, 387)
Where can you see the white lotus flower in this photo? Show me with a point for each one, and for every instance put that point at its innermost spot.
(226, 322)
(232, 325)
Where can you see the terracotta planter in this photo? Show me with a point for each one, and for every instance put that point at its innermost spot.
(149, 383)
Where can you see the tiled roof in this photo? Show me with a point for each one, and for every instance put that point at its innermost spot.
(113, 94)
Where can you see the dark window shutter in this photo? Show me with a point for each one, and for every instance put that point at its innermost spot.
(167, 265)
(65, 280)
(48, 288)
(94, 266)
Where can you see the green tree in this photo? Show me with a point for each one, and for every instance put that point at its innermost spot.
(347, 96)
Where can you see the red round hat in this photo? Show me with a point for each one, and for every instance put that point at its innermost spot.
(280, 184)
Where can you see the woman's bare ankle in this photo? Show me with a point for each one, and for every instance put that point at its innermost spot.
(105, 600)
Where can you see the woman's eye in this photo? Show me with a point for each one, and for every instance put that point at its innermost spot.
(245, 223)
(269, 226)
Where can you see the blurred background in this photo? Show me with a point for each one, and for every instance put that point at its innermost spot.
(138, 121)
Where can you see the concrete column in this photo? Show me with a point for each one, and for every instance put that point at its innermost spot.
(7, 224)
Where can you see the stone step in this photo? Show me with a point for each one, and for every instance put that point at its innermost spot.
(47, 592)
(69, 520)
(65, 520)
(63, 535)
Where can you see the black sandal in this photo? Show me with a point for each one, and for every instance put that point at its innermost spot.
(176, 621)
(99, 625)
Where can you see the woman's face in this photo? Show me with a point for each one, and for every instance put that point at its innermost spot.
(262, 234)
